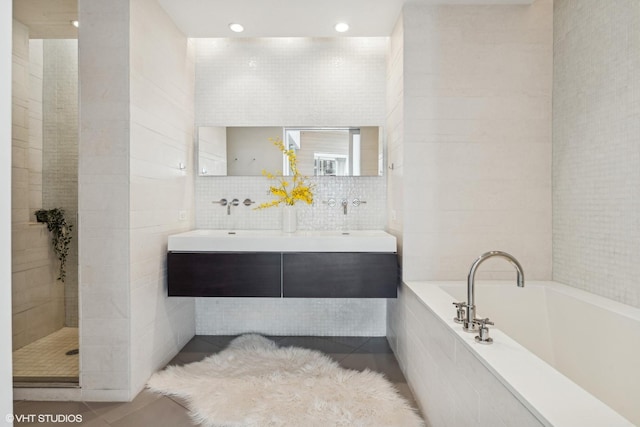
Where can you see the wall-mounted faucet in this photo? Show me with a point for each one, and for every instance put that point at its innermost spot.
(234, 202)
(345, 203)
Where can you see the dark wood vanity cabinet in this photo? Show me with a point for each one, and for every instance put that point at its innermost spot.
(339, 275)
(220, 274)
(289, 275)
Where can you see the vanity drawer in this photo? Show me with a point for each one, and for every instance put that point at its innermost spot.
(221, 274)
(339, 275)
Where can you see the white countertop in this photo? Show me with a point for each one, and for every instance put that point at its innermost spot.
(277, 241)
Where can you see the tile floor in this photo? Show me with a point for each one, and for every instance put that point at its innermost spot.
(149, 409)
(46, 360)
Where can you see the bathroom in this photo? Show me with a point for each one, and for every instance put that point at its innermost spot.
(479, 156)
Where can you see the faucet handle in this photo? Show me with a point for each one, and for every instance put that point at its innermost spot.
(331, 202)
(222, 202)
(483, 322)
(248, 202)
(461, 313)
(357, 202)
(234, 202)
(483, 332)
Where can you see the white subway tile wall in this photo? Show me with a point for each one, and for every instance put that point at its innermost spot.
(596, 139)
(291, 82)
(476, 139)
(37, 298)
(161, 81)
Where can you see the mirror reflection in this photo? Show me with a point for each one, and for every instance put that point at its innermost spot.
(321, 151)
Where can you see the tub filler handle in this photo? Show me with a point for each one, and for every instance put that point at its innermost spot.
(461, 312)
(483, 337)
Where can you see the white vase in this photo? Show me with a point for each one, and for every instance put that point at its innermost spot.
(289, 219)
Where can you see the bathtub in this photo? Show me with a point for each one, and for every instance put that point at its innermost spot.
(570, 357)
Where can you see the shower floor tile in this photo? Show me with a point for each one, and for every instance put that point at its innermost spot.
(46, 360)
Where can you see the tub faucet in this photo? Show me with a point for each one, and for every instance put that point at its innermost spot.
(345, 203)
(470, 323)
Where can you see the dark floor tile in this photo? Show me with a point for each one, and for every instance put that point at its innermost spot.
(375, 345)
(353, 342)
(405, 391)
(385, 364)
(322, 344)
(114, 411)
(160, 413)
(220, 341)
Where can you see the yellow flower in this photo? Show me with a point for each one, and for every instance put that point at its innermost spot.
(288, 192)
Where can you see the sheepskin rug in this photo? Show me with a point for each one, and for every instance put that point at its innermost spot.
(254, 383)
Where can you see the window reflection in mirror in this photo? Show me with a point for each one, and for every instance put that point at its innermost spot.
(327, 151)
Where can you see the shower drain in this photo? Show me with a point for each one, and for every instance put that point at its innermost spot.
(72, 352)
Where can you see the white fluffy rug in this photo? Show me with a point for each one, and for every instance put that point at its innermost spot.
(254, 383)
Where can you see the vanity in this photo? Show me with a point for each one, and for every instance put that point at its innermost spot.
(270, 263)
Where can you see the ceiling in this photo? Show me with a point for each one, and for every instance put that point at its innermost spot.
(47, 19)
(260, 18)
(294, 18)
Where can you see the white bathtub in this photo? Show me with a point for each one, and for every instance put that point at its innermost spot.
(569, 356)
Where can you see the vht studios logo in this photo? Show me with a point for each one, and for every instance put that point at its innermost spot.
(44, 418)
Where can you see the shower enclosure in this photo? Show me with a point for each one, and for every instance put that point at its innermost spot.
(45, 170)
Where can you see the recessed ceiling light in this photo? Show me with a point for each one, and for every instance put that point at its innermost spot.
(236, 28)
(341, 27)
(75, 23)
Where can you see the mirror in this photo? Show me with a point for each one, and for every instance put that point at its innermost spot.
(321, 151)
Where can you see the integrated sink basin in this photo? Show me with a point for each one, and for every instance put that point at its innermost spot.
(277, 241)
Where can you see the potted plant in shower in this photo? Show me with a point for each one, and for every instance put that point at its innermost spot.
(60, 235)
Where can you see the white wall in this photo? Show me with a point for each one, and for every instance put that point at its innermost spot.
(161, 88)
(103, 199)
(6, 381)
(291, 82)
(476, 170)
(596, 140)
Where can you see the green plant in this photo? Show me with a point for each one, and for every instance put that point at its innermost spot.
(60, 235)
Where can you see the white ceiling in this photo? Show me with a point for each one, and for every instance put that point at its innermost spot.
(47, 19)
(260, 18)
(294, 18)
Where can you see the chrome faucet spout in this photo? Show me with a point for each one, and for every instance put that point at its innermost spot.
(345, 203)
(469, 324)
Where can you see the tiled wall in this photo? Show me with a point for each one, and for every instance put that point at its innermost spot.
(295, 82)
(103, 200)
(6, 395)
(60, 151)
(37, 298)
(476, 143)
(470, 129)
(292, 316)
(395, 132)
(161, 88)
(452, 387)
(596, 139)
(136, 98)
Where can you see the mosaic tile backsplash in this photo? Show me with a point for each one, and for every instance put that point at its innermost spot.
(318, 216)
(294, 82)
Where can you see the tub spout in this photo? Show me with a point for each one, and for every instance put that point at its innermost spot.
(469, 325)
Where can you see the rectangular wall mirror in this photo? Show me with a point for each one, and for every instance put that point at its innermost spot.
(321, 151)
